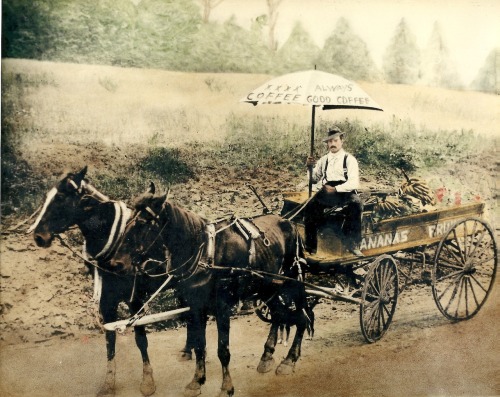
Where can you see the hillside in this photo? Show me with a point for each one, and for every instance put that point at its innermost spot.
(119, 105)
(64, 116)
(123, 122)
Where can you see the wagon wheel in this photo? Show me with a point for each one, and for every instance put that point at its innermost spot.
(464, 269)
(379, 298)
(262, 310)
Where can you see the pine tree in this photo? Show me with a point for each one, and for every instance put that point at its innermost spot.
(297, 53)
(438, 69)
(401, 62)
(488, 77)
(347, 55)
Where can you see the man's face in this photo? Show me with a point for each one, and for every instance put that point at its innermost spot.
(335, 144)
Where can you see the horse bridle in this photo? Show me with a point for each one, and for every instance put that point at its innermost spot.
(141, 268)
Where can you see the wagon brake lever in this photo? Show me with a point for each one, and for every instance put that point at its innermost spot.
(266, 208)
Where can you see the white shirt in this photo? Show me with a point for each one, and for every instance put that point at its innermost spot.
(335, 171)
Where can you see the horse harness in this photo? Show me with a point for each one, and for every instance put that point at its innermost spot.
(205, 258)
(248, 229)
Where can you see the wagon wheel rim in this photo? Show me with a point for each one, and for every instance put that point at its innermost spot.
(262, 310)
(464, 269)
(379, 298)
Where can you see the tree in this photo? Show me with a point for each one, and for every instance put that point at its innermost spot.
(401, 63)
(438, 69)
(272, 14)
(208, 6)
(346, 54)
(24, 22)
(229, 48)
(488, 77)
(165, 32)
(298, 52)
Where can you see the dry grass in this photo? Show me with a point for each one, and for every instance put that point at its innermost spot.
(121, 106)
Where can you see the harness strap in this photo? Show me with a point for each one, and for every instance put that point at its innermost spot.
(210, 251)
(122, 214)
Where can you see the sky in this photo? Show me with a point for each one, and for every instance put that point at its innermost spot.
(470, 28)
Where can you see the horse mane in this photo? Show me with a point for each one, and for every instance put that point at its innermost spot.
(184, 229)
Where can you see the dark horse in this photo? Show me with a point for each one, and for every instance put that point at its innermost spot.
(215, 266)
(73, 201)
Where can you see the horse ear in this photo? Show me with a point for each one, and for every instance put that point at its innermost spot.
(152, 188)
(80, 175)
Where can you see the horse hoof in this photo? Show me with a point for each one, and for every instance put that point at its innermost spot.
(192, 390)
(147, 389)
(148, 386)
(185, 356)
(285, 368)
(265, 365)
(226, 393)
(106, 391)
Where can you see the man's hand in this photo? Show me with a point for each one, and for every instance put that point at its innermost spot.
(329, 189)
(311, 161)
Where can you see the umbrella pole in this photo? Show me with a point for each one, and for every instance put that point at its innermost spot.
(311, 151)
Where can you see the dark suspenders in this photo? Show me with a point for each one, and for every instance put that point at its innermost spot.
(345, 168)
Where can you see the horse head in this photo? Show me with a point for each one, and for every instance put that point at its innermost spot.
(142, 241)
(59, 210)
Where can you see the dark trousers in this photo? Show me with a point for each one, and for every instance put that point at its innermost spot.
(314, 216)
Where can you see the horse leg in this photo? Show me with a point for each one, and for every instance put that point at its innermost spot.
(223, 324)
(148, 384)
(287, 335)
(141, 340)
(108, 309)
(186, 352)
(267, 360)
(287, 365)
(280, 334)
(199, 324)
(108, 387)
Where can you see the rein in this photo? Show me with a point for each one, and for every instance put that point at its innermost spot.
(301, 208)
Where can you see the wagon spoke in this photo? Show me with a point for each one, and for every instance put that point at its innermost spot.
(481, 261)
(459, 296)
(457, 240)
(484, 272)
(473, 292)
(380, 278)
(449, 264)
(478, 283)
(374, 287)
(450, 275)
(458, 288)
(371, 317)
(448, 248)
(373, 297)
(386, 310)
(452, 284)
(380, 319)
(389, 277)
(473, 233)
(478, 243)
(466, 284)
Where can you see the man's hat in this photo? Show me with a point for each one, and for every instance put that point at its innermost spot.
(332, 133)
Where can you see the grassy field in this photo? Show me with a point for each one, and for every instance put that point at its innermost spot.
(132, 124)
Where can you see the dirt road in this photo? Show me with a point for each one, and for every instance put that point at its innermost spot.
(422, 354)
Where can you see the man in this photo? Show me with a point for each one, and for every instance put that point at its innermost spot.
(338, 173)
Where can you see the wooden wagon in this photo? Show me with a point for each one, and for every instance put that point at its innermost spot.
(453, 248)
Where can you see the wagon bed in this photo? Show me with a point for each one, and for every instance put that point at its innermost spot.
(384, 236)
